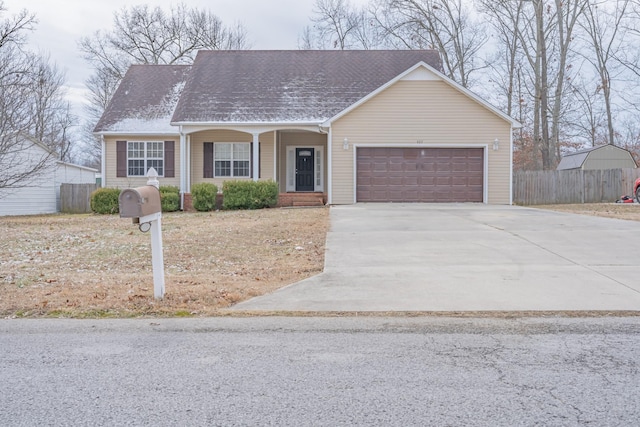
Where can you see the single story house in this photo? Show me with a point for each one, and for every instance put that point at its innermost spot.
(39, 193)
(602, 157)
(340, 126)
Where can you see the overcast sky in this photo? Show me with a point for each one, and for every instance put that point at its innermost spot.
(271, 24)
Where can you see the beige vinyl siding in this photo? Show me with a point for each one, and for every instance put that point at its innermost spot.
(197, 153)
(111, 180)
(421, 113)
(267, 141)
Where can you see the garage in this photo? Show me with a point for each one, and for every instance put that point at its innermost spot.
(427, 175)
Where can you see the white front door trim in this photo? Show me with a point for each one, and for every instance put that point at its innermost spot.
(318, 167)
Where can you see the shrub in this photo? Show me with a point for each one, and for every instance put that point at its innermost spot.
(204, 196)
(169, 198)
(249, 194)
(170, 202)
(169, 189)
(105, 200)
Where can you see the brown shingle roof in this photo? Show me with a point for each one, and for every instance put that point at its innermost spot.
(145, 99)
(252, 87)
(287, 86)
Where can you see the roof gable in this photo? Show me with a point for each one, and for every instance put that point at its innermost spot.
(424, 72)
(287, 86)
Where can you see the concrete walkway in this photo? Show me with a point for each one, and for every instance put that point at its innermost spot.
(468, 257)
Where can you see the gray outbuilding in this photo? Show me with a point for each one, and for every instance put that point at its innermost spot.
(602, 157)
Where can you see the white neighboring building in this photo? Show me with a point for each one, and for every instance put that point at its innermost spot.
(41, 195)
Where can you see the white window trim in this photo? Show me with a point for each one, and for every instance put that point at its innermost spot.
(232, 176)
(318, 167)
(145, 158)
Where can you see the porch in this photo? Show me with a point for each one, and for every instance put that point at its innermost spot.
(296, 159)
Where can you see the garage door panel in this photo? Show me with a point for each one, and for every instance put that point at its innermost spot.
(444, 182)
(420, 174)
(379, 166)
(410, 181)
(427, 180)
(428, 167)
(396, 167)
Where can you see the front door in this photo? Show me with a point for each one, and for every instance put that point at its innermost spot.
(304, 169)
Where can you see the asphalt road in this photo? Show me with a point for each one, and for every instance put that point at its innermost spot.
(320, 372)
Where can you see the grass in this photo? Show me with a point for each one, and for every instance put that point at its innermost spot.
(99, 266)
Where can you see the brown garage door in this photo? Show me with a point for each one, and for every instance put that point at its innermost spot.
(419, 175)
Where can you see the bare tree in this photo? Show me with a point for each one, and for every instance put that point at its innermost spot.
(537, 38)
(505, 18)
(630, 56)
(12, 29)
(445, 25)
(51, 118)
(17, 167)
(588, 118)
(605, 32)
(30, 101)
(568, 12)
(142, 35)
(338, 24)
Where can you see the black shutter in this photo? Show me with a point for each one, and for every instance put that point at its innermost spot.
(121, 159)
(208, 160)
(169, 159)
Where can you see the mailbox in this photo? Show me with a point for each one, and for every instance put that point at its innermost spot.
(139, 202)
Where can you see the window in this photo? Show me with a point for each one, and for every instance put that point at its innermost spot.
(232, 159)
(141, 156)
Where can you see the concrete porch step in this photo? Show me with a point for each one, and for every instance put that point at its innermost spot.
(308, 202)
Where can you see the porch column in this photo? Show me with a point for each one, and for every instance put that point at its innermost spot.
(256, 156)
(183, 167)
(187, 162)
(103, 162)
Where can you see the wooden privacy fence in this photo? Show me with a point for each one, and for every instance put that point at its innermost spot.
(75, 198)
(572, 186)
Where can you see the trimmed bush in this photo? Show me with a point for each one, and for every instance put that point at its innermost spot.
(249, 194)
(105, 201)
(169, 198)
(203, 196)
(169, 189)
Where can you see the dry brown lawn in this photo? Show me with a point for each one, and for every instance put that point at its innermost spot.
(100, 266)
(628, 211)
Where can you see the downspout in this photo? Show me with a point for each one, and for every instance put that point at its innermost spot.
(187, 162)
(511, 166)
(329, 165)
(103, 166)
(276, 136)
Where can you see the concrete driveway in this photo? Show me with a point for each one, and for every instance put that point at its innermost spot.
(468, 257)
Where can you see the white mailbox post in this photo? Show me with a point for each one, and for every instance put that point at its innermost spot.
(143, 206)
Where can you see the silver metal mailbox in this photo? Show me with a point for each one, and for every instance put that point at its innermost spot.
(139, 202)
